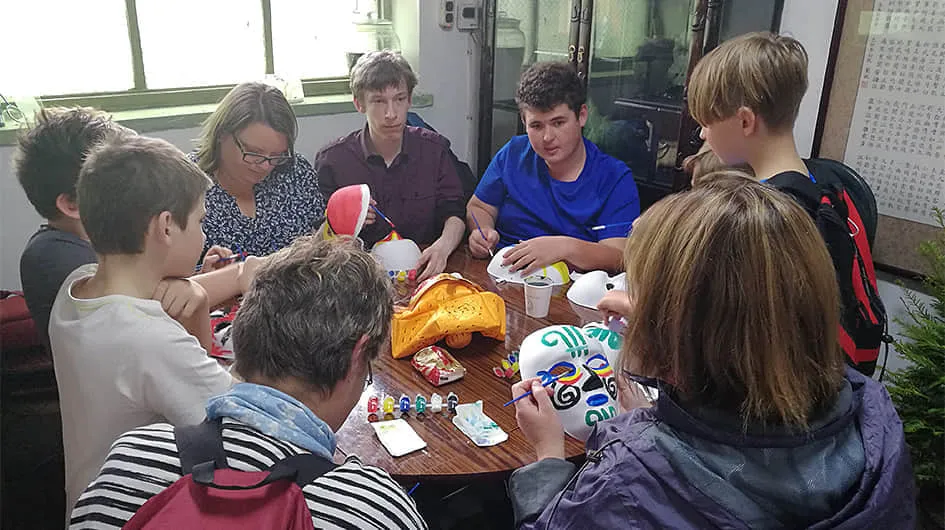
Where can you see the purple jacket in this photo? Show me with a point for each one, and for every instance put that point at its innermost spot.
(665, 467)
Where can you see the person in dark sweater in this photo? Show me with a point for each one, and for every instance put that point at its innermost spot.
(47, 162)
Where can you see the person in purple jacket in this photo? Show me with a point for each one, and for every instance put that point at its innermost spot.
(733, 313)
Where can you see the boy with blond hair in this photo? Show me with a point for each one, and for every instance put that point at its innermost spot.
(746, 94)
(705, 164)
(121, 360)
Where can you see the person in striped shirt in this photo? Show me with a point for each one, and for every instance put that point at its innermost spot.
(315, 317)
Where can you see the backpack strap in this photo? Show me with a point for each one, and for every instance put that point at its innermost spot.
(304, 468)
(201, 452)
(200, 443)
(301, 469)
(807, 193)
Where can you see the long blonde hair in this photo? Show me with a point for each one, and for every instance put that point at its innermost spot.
(735, 302)
(246, 104)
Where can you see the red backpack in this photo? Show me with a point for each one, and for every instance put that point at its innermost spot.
(210, 495)
(863, 316)
(17, 328)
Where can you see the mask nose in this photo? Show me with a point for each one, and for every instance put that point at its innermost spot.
(593, 381)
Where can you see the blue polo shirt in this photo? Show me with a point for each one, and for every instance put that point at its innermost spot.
(533, 204)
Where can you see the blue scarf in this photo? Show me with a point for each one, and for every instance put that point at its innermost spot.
(276, 414)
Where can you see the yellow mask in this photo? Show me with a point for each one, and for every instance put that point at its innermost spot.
(445, 306)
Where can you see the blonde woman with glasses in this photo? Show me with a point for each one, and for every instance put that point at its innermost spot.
(264, 194)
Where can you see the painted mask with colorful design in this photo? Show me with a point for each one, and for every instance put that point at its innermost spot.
(585, 391)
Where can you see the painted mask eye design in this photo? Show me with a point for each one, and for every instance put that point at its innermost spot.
(567, 389)
(599, 365)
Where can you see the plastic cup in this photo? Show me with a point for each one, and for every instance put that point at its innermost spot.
(537, 296)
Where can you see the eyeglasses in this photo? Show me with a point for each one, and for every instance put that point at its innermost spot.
(257, 159)
(370, 377)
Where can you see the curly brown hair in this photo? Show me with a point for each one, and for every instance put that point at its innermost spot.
(546, 85)
(280, 334)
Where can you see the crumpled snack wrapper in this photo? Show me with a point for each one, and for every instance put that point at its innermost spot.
(444, 305)
(438, 366)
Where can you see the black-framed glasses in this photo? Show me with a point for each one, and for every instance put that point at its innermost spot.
(649, 386)
(370, 376)
(258, 159)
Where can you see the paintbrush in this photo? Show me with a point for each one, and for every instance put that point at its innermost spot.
(604, 227)
(546, 383)
(238, 256)
(481, 233)
(391, 223)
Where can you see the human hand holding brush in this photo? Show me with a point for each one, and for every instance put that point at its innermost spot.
(537, 418)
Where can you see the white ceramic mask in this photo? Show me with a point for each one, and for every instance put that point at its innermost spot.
(588, 392)
(396, 256)
(589, 288)
(556, 272)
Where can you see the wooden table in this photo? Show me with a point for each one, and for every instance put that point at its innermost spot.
(450, 455)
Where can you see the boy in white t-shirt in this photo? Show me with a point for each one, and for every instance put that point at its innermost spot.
(121, 361)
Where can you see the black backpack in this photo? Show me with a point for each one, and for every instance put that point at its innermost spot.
(863, 320)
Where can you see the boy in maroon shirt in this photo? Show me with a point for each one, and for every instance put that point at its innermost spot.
(412, 178)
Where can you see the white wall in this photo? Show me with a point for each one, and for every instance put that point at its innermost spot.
(894, 297)
(446, 70)
(17, 221)
(810, 22)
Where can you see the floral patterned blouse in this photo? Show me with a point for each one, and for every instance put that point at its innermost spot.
(288, 204)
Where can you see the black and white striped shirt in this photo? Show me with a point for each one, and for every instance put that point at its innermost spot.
(143, 462)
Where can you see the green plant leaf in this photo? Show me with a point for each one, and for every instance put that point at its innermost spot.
(918, 390)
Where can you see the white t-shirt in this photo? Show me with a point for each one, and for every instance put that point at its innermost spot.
(121, 362)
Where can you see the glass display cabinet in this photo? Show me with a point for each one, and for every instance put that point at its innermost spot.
(634, 56)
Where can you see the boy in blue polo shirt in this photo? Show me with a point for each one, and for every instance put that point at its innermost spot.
(552, 193)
